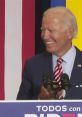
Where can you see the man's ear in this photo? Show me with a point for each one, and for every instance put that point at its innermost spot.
(70, 33)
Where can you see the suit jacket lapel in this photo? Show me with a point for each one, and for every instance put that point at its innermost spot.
(77, 68)
(48, 67)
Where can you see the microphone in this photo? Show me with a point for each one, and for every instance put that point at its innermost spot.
(65, 86)
(65, 82)
(51, 85)
(47, 81)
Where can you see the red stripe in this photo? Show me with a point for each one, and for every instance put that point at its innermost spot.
(2, 36)
(28, 30)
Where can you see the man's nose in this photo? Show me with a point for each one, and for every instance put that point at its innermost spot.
(46, 34)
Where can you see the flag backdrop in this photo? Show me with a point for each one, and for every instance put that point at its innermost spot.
(20, 23)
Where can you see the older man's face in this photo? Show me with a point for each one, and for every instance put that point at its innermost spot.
(57, 40)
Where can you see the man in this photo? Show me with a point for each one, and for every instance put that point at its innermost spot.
(58, 28)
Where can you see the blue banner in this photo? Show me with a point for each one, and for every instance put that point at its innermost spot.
(58, 3)
(41, 109)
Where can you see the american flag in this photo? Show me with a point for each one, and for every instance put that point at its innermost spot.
(17, 43)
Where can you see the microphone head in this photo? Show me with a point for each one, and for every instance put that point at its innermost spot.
(49, 83)
(47, 80)
(65, 82)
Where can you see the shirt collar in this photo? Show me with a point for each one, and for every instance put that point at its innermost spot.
(69, 55)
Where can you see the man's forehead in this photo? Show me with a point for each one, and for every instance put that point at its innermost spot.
(55, 14)
(54, 18)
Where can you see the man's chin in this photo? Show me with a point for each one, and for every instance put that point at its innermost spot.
(50, 50)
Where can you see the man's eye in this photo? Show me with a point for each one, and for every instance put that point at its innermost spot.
(52, 30)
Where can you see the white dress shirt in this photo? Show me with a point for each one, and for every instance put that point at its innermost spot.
(68, 61)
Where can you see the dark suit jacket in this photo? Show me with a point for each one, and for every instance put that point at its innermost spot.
(41, 64)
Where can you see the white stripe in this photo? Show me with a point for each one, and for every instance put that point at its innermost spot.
(13, 47)
(56, 72)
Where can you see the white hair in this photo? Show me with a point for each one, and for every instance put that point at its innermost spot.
(68, 17)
